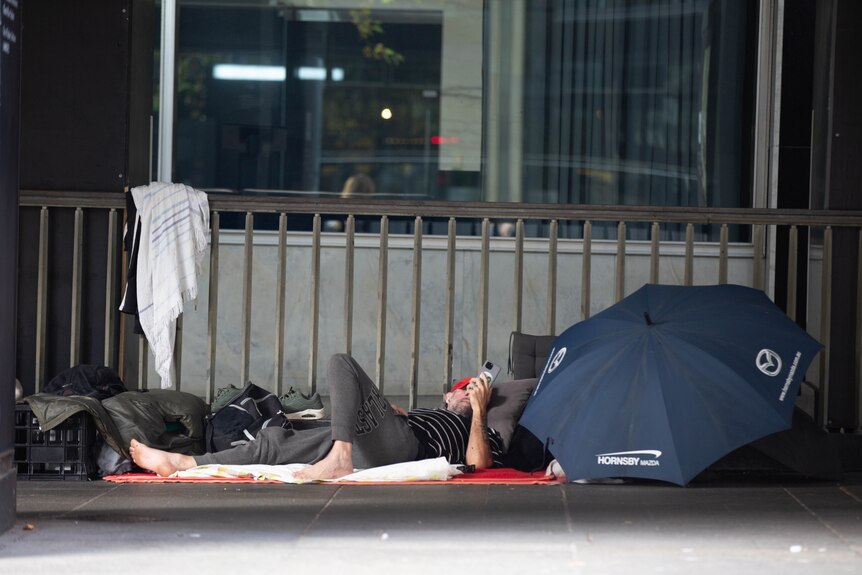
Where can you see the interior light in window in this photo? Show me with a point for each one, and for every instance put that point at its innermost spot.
(249, 72)
(337, 74)
(311, 73)
(386, 113)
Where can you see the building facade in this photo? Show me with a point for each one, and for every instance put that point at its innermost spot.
(680, 103)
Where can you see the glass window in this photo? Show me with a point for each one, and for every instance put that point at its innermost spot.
(642, 103)
(275, 98)
(639, 103)
(560, 101)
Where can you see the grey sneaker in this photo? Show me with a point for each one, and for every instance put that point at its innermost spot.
(296, 405)
(224, 395)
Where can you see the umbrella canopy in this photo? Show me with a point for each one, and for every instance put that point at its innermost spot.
(668, 380)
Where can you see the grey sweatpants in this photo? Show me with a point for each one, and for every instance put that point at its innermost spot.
(360, 415)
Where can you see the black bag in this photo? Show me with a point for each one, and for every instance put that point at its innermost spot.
(88, 380)
(526, 452)
(240, 421)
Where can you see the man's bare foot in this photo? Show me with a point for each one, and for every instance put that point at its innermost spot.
(337, 463)
(164, 463)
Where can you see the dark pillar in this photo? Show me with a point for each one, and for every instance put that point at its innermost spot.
(9, 99)
(85, 121)
(836, 185)
(794, 163)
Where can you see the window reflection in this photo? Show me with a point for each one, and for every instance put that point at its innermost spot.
(271, 98)
(640, 103)
(593, 101)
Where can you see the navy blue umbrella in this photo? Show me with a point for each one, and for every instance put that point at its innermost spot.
(668, 380)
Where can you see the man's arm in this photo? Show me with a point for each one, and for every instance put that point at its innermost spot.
(478, 447)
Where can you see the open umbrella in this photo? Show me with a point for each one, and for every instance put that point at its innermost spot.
(668, 380)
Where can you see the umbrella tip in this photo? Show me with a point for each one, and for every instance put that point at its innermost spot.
(648, 318)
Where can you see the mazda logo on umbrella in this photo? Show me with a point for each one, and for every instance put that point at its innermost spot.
(768, 362)
(558, 359)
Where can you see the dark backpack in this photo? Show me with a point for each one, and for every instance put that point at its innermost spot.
(95, 381)
(240, 421)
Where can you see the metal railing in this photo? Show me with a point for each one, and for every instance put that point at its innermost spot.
(763, 223)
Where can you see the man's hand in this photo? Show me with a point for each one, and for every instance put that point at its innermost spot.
(480, 393)
(478, 448)
(398, 410)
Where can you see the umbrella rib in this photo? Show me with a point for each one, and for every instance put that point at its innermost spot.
(670, 434)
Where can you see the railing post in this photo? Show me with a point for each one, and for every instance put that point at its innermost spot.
(315, 305)
(123, 273)
(825, 328)
(110, 279)
(519, 276)
(77, 271)
(792, 270)
(552, 278)
(178, 354)
(757, 257)
(42, 299)
(212, 304)
(382, 288)
(484, 282)
(247, 267)
(722, 255)
(654, 253)
(689, 255)
(585, 269)
(620, 268)
(348, 283)
(450, 306)
(280, 280)
(416, 312)
(143, 362)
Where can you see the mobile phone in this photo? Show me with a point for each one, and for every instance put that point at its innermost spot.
(490, 370)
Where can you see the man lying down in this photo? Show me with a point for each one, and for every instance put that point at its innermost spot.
(366, 431)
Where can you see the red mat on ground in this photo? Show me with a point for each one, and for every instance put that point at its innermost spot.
(501, 476)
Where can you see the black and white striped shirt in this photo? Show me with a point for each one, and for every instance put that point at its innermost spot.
(442, 433)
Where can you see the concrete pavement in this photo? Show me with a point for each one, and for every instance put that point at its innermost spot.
(729, 524)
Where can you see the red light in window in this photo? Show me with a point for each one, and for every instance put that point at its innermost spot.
(440, 140)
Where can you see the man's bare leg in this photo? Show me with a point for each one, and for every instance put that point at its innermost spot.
(337, 463)
(164, 463)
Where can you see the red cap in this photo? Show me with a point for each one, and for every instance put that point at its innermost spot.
(461, 384)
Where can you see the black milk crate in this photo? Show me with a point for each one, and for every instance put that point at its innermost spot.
(62, 453)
